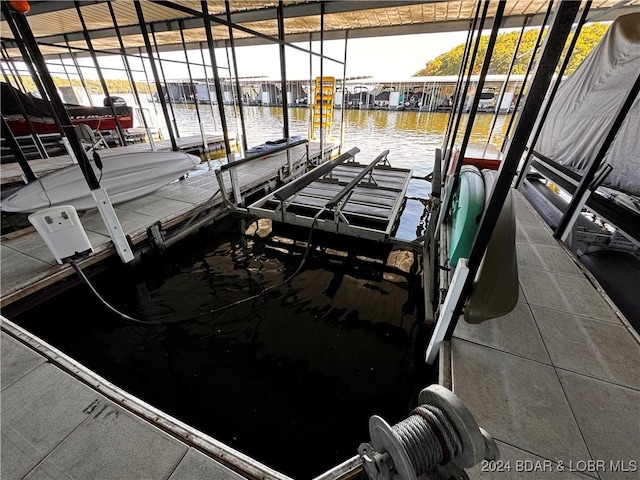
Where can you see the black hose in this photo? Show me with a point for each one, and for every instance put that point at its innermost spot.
(86, 281)
(124, 316)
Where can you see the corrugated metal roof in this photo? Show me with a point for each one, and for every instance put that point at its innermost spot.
(361, 18)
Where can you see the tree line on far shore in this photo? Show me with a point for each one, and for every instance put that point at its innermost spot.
(449, 63)
(93, 86)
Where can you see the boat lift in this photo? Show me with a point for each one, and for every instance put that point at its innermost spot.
(342, 196)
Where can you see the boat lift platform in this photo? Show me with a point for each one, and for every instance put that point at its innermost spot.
(342, 196)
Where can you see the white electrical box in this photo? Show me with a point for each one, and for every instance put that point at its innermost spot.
(61, 230)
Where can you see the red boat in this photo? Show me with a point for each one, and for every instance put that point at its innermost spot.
(40, 113)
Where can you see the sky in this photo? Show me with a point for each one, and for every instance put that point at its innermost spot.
(397, 56)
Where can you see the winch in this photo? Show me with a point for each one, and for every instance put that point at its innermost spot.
(438, 440)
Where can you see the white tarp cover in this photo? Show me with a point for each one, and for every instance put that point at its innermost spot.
(586, 104)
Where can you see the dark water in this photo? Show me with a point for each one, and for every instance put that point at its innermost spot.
(290, 378)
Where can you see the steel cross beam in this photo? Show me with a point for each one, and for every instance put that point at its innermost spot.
(214, 19)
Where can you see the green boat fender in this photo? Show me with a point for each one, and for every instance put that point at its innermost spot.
(495, 289)
(467, 208)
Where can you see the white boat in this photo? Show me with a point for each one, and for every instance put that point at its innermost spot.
(124, 176)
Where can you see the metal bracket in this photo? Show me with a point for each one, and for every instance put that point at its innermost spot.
(156, 236)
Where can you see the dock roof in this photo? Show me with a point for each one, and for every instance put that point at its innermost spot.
(57, 27)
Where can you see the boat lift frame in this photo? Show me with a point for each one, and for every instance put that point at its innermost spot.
(517, 145)
(330, 214)
(231, 167)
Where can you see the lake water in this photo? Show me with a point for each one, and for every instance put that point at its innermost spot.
(291, 377)
(411, 136)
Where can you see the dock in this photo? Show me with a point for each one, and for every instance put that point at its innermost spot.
(28, 266)
(556, 381)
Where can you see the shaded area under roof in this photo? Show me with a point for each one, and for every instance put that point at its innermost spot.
(56, 23)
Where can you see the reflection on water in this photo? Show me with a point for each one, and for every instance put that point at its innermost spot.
(290, 378)
(411, 136)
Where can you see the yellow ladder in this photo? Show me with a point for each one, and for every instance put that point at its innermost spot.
(325, 88)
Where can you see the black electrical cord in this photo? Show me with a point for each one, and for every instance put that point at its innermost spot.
(124, 316)
(86, 281)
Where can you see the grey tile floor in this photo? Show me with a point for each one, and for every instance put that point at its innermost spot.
(55, 427)
(558, 379)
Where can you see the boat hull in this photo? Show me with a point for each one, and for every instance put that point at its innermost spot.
(468, 205)
(495, 288)
(124, 176)
(96, 121)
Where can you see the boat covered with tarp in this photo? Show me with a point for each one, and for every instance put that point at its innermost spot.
(585, 107)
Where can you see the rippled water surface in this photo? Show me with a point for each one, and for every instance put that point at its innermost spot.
(291, 377)
(410, 136)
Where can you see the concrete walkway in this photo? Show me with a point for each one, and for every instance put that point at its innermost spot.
(56, 427)
(556, 381)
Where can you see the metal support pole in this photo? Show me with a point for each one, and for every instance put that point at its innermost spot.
(154, 71)
(216, 78)
(549, 100)
(344, 90)
(526, 74)
(14, 71)
(560, 29)
(205, 146)
(146, 77)
(497, 21)
(105, 89)
(129, 72)
(17, 151)
(66, 73)
(283, 81)
(283, 72)
(506, 81)
(164, 78)
(310, 95)
(451, 187)
(321, 82)
(233, 102)
(79, 70)
(34, 134)
(461, 74)
(581, 194)
(457, 107)
(235, 69)
(28, 61)
(206, 78)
